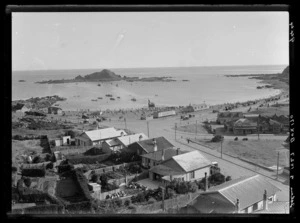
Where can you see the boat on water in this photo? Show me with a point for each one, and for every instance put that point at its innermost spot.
(100, 98)
(94, 99)
(119, 97)
(22, 81)
(108, 95)
(112, 99)
(117, 85)
(99, 85)
(133, 99)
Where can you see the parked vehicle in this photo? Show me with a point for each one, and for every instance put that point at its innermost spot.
(236, 139)
(245, 139)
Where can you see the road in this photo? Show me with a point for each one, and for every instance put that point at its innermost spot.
(229, 166)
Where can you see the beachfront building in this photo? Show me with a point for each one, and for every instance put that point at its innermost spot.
(163, 114)
(244, 126)
(284, 120)
(242, 195)
(195, 107)
(150, 160)
(188, 166)
(224, 117)
(54, 110)
(98, 136)
(149, 145)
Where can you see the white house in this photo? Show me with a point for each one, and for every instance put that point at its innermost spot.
(188, 166)
(98, 136)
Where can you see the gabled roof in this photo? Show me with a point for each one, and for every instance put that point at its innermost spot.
(161, 142)
(229, 114)
(157, 156)
(191, 161)
(126, 140)
(100, 134)
(273, 122)
(112, 142)
(166, 170)
(248, 190)
(244, 122)
(276, 207)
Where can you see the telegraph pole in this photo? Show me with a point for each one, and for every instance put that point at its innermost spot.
(175, 130)
(196, 130)
(258, 127)
(277, 165)
(148, 128)
(125, 123)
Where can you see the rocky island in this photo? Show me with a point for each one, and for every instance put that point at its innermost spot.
(105, 76)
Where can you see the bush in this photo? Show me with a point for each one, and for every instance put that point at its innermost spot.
(127, 203)
(37, 159)
(64, 168)
(95, 178)
(118, 202)
(14, 169)
(49, 166)
(217, 138)
(138, 198)
(228, 178)
(33, 172)
(27, 182)
(151, 200)
(104, 179)
(236, 139)
(182, 188)
(216, 178)
(48, 157)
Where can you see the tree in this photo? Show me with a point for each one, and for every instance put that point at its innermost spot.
(70, 133)
(27, 182)
(217, 138)
(94, 178)
(228, 178)
(216, 178)
(104, 179)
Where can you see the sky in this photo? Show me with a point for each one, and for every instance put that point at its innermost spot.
(88, 40)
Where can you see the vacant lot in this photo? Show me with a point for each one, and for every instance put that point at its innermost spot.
(24, 147)
(192, 128)
(263, 152)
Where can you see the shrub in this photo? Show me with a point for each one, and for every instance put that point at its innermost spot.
(217, 138)
(118, 202)
(228, 178)
(182, 188)
(27, 182)
(33, 172)
(95, 178)
(14, 169)
(104, 179)
(127, 203)
(48, 157)
(151, 200)
(49, 166)
(37, 159)
(216, 178)
(64, 168)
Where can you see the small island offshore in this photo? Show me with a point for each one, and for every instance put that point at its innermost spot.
(106, 76)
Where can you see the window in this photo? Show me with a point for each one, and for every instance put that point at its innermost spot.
(192, 175)
(255, 206)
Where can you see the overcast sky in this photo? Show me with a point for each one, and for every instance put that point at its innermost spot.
(148, 39)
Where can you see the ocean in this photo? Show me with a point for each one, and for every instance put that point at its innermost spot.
(206, 84)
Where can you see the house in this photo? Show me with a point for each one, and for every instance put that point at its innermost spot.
(188, 166)
(54, 110)
(150, 160)
(149, 145)
(242, 195)
(195, 107)
(228, 116)
(64, 141)
(244, 126)
(98, 136)
(163, 114)
(284, 120)
(122, 142)
(23, 108)
(275, 126)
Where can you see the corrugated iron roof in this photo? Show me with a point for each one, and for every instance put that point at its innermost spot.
(126, 140)
(276, 207)
(244, 122)
(166, 170)
(161, 142)
(112, 142)
(100, 134)
(248, 190)
(189, 161)
(157, 156)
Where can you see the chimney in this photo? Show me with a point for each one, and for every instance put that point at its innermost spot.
(140, 137)
(163, 155)
(154, 145)
(237, 205)
(177, 151)
(265, 200)
(206, 182)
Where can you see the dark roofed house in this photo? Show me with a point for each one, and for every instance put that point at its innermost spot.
(242, 195)
(244, 126)
(149, 145)
(152, 159)
(54, 110)
(224, 117)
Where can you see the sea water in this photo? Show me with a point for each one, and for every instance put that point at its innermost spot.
(205, 84)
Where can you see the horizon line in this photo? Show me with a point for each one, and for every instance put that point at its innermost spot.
(151, 67)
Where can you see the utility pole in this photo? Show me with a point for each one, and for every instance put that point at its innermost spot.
(196, 130)
(222, 147)
(148, 128)
(125, 123)
(277, 165)
(163, 197)
(258, 127)
(175, 130)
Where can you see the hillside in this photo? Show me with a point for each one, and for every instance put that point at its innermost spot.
(102, 75)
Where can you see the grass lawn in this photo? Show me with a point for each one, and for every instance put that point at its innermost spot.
(262, 152)
(191, 128)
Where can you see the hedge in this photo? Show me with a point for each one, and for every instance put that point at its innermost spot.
(81, 159)
(33, 172)
(85, 206)
(64, 168)
(44, 209)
